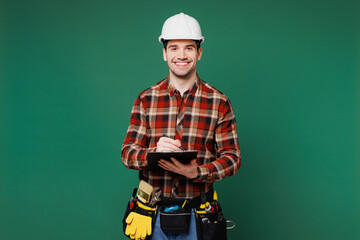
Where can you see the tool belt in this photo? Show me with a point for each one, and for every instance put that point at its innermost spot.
(139, 218)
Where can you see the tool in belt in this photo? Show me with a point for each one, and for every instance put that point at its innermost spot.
(147, 202)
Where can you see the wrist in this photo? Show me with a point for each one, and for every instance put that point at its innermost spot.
(194, 174)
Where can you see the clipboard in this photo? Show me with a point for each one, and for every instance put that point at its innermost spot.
(184, 157)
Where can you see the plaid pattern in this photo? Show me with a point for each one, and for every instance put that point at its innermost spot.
(202, 119)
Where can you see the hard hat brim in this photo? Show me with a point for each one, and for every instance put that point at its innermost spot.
(161, 39)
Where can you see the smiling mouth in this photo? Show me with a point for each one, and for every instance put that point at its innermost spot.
(182, 64)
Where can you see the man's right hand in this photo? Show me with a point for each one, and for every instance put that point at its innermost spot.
(166, 144)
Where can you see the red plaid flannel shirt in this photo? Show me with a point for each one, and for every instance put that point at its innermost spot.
(202, 119)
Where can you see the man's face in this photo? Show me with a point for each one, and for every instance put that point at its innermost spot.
(182, 56)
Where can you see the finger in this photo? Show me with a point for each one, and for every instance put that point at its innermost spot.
(173, 147)
(127, 230)
(166, 165)
(177, 142)
(166, 144)
(165, 140)
(176, 162)
(166, 147)
(171, 141)
(129, 218)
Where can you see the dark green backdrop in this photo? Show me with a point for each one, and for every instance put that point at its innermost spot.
(70, 71)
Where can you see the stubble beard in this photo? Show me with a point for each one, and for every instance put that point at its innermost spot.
(185, 75)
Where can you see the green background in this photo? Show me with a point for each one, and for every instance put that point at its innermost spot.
(71, 70)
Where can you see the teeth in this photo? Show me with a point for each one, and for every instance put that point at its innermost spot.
(182, 64)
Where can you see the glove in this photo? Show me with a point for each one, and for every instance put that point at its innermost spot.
(138, 226)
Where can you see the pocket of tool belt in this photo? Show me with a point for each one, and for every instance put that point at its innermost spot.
(135, 208)
(177, 221)
(210, 226)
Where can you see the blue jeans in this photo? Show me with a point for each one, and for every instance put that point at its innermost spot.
(158, 234)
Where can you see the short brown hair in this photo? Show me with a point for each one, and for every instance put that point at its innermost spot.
(198, 42)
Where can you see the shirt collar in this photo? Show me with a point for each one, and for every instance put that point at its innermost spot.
(191, 90)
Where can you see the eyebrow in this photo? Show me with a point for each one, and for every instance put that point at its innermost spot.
(175, 45)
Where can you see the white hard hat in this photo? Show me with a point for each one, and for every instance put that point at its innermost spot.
(181, 26)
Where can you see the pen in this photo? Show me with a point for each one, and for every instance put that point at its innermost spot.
(164, 135)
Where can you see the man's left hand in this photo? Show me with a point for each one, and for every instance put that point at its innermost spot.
(187, 170)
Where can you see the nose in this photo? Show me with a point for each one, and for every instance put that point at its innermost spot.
(182, 54)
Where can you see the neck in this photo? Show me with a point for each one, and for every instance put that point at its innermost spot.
(182, 84)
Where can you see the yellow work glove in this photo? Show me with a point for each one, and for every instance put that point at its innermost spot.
(138, 226)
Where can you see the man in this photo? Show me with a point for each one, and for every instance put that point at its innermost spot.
(182, 111)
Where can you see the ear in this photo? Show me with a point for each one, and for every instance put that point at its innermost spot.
(164, 55)
(200, 51)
